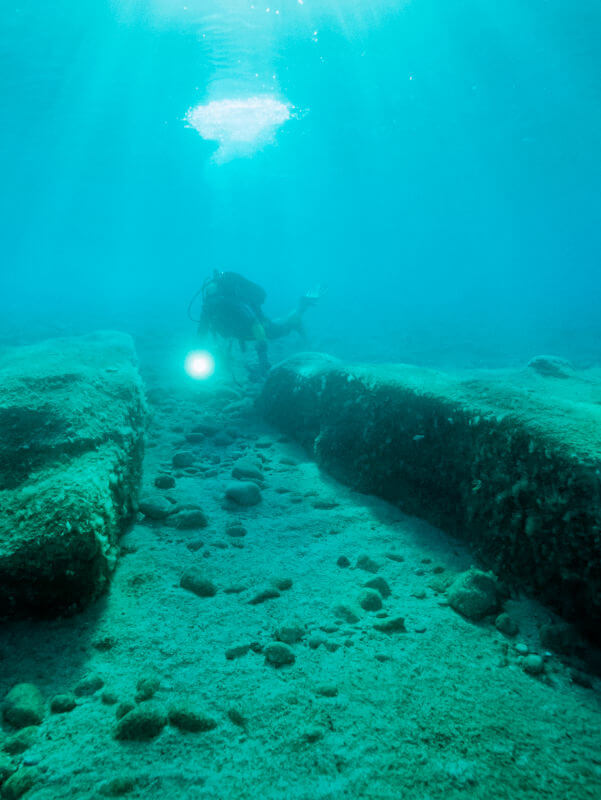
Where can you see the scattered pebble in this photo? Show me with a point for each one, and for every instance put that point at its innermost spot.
(522, 649)
(505, 624)
(184, 458)
(267, 593)
(343, 562)
(367, 563)
(88, 685)
(164, 481)
(391, 625)
(189, 519)
(142, 723)
(327, 690)
(283, 584)
(62, 703)
(20, 782)
(370, 600)
(290, 634)
(237, 651)
(23, 706)
(279, 654)
(189, 720)
(474, 594)
(380, 585)
(147, 687)
(243, 493)
(533, 664)
(194, 581)
(236, 530)
(346, 612)
(155, 506)
(21, 741)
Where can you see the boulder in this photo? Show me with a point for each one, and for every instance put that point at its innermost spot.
(72, 416)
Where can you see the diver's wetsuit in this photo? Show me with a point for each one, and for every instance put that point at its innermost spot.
(232, 308)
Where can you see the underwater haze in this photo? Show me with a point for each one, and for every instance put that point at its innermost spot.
(436, 165)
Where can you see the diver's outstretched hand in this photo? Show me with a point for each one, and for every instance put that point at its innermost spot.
(311, 297)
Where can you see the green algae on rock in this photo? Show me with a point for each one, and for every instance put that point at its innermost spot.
(72, 415)
(509, 460)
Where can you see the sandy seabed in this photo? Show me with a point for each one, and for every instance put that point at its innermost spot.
(443, 710)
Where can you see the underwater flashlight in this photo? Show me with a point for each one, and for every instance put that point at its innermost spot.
(199, 364)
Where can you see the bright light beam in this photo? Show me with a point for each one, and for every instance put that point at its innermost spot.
(199, 364)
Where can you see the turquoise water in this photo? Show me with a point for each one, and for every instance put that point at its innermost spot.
(440, 169)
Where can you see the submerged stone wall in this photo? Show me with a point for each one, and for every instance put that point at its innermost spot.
(509, 461)
(72, 415)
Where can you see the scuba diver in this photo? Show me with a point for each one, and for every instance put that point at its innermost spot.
(232, 308)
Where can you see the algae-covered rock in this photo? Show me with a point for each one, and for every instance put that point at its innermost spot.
(23, 706)
(243, 493)
(190, 720)
(62, 703)
(20, 782)
(72, 415)
(474, 594)
(509, 460)
(20, 741)
(142, 723)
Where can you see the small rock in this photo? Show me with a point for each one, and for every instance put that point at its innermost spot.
(313, 734)
(327, 690)
(279, 654)
(196, 437)
(346, 612)
(391, 625)
(236, 717)
(268, 593)
(505, 624)
(331, 646)
(23, 706)
(147, 687)
(184, 458)
(323, 504)
(155, 507)
(237, 651)
(6, 767)
(316, 641)
(194, 581)
(141, 724)
(109, 698)
(236, 531)
(379, 584)
(61, 703)
(164, 481)
(370, 600)
(395, 556)
(243, 493)
(551, 366)
(189, 519)
(245, 469)
(522, 649)
(117, 787)
(222, 439)
(474, 594)
(283, 584)
(21, 741)
(343, 562)
(195, 545)
(88, 685)
(290, 634)
(124, 708)
(190, 721)
(533, 665)
(236, 588)
(367, 563)
(19, 782)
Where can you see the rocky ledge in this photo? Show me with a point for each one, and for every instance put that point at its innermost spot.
(508, 460)
(72, 415)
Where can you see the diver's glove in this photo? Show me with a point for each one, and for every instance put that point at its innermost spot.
(310, 297)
